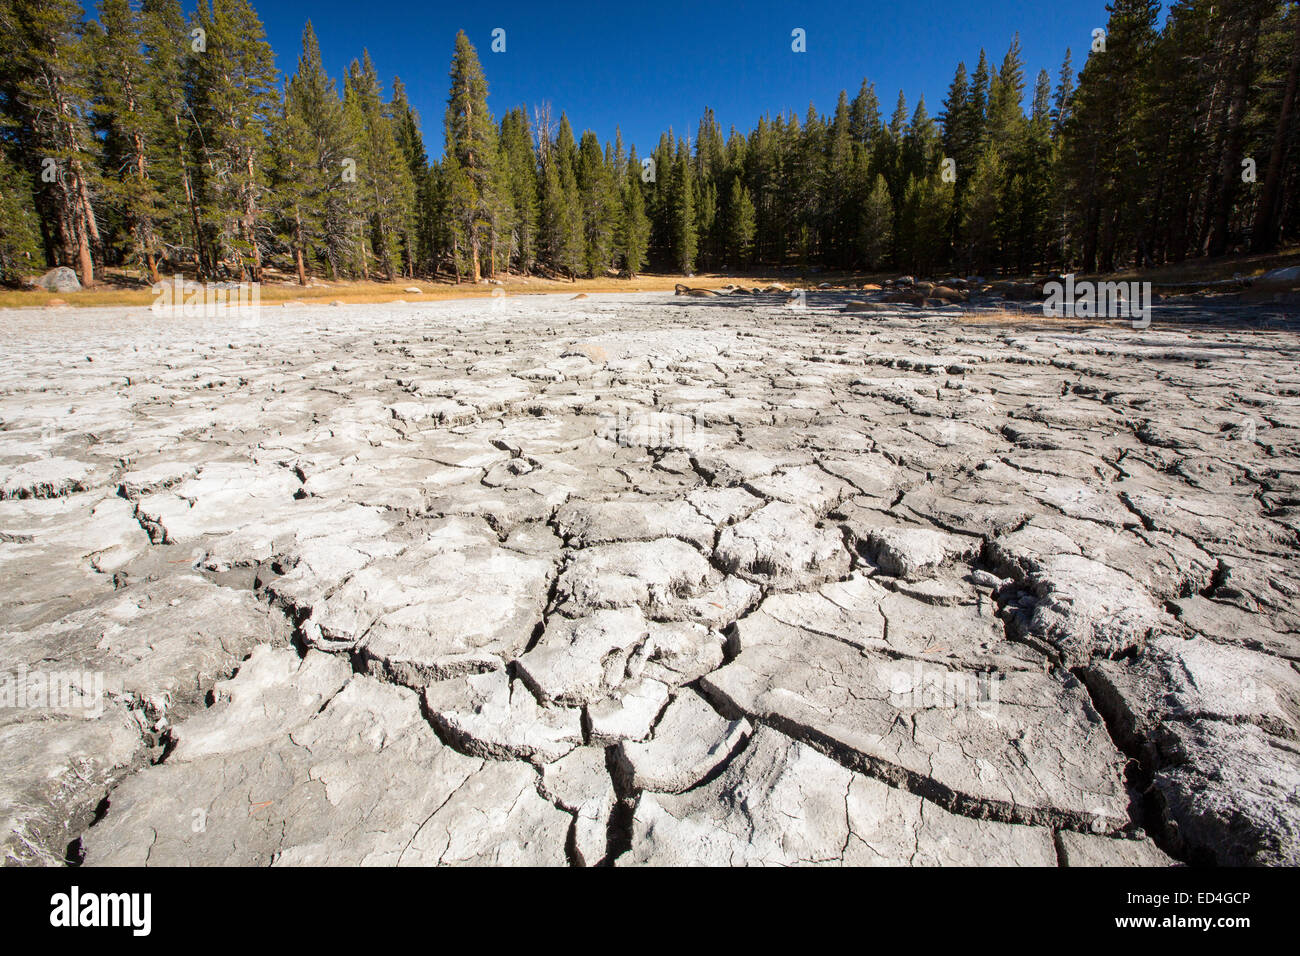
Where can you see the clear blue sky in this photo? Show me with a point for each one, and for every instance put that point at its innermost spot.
(650, 65)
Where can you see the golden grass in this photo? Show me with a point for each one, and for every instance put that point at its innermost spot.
(122, 289)
(121, 294)
(1210, 270)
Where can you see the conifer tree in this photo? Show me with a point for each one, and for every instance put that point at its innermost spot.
(636, 224)
(1109, 110)
(599, 206)
(44, 86)
(168, 47)
(683, 212)
(521, 177)
(418, 231)
(875, 228)
(1282, 141)
(383, 177)
(742, 223)
(472, 149)
(313, 152)
(19, 238)
(124, 144)
(124, 112)
(864, 116)
(235, 104)
(1062, 96)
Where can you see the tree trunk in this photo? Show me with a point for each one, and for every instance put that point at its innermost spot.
(189, 194)
(85, 261)
(298, 244)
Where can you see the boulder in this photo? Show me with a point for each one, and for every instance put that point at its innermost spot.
(59, 279)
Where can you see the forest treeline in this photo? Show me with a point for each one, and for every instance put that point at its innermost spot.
(145, 139)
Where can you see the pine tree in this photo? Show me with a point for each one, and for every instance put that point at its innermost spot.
(864, 117)
(44, 85)
(521, 163)
(571, 251)
(979, 217)
(1005, 117)
(1061, 100)
(124, 112)
(418, 234)
(1108, 120)
(924, 217)
(1267, 222)
(122, 143)
(837, 186)
(898, 122)
(740, 240)
(313, 150)
(685, 236)
(383, 176)
(472, 148)
(659, 200)
(171, 157)
(959, 134)
(635, 236)
(234, 103)
(978, 103)
(599, 205)
(876, 225)
(19, 238)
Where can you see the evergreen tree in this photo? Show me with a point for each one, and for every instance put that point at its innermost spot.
(313, 151)
(740, 241)
(980, 215)
(419, 228)
(635, 236)
(19, 237)
(864, 116)
(521, 178)
(1109, 113)
(124, 112)
(683, 212)
(599, 206)
(1282, 141)
(234, 101)
(1062, 97)
(876, 225)
(383, 176)
(44, 88)
(171, 141)
(471, 153)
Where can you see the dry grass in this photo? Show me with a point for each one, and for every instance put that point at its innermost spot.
(123, 289)
(1210, 270)
(117, 292)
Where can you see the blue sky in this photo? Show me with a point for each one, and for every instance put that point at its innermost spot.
(647, 66)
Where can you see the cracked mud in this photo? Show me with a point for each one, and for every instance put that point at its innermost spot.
(635, 582)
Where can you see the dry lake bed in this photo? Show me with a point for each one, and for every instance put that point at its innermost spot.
(641, 579)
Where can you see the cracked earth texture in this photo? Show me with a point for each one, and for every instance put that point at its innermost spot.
(635, 580)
